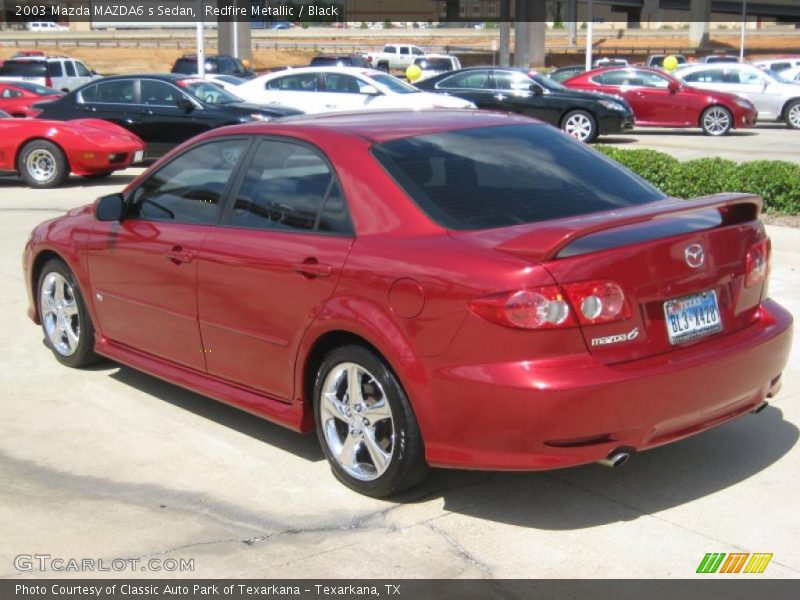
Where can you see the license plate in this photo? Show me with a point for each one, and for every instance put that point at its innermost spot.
(138, 156)
(692, 317)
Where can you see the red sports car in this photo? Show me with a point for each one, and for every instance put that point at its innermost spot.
(660, 100)
(17, 99)
(447, 288)
(44, 153)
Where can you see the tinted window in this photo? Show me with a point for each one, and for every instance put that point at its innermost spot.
(190, 188)
(183, 65)
(390, 49)
(512, 80)
(613, 77)
(24, 68)
(470, 79)
(9, 93)
(82, 70)
(403, 50)
(109, 92)
(54, 69)
(707, 76)
(508, 175)
(70, 68)
(289, 187)
(302, 82)
(158, 93)
(434, 64)
(343, 84)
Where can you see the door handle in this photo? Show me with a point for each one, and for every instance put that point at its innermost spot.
(312, 269)
(179, 255)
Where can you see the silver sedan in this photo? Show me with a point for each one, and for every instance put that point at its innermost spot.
(775, 98)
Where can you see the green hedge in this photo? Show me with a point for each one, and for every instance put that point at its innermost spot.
(777, 182)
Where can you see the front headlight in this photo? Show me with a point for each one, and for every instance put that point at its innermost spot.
(259, 117)
(611, 105)
(744, 103)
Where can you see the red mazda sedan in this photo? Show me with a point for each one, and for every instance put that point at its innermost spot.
(445, 288)
(660, 100)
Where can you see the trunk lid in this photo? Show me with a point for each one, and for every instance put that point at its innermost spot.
(646, 251)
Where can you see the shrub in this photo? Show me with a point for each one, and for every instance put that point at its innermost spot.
(777, 182)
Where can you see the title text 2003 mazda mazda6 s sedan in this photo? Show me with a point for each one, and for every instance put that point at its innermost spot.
(446, 288)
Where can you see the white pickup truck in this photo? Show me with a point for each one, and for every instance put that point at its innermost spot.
(394, 57)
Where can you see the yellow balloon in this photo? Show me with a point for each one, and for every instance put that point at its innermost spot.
(670, 63)
(413, 73)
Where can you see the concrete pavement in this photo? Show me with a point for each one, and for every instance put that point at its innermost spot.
(768, 141)
(110, 463)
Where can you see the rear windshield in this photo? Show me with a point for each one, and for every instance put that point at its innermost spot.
(434, 64)
(508, 175)
(24, 68)
(188, 66)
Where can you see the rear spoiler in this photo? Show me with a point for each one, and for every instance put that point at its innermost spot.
(546, 240)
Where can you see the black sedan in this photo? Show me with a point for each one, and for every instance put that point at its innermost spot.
(163, 110)
(583, 115)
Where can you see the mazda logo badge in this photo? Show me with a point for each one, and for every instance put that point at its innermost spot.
(694, 255)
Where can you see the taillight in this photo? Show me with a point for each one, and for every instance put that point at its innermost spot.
(756, 264)
(598, 301)
(538, 308)
(48, 81)
(586, 302)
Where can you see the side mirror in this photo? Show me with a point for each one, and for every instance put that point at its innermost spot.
(536, 89)
(369, 90)
(673, 87)
(185, 105)
(110, 208)
(93, 72)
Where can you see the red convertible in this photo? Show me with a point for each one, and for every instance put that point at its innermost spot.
(44, 153)
(447, 288)
(660, 100)
(17, 98)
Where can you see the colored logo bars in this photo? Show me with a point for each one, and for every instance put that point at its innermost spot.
(736, 562)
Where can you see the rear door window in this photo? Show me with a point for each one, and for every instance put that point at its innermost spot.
(508, 175)
(70, 68)
(290, 187)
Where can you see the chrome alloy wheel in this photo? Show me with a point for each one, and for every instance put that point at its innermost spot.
(716, 121)
(794, 115)
(578, 126)
(357, 421)
(60, 316)
(41, 165)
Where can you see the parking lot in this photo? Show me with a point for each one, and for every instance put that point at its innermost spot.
(111, 463)
(768, 141)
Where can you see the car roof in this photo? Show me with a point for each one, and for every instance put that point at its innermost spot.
(380, 126)
(329, 69)
(172, 77)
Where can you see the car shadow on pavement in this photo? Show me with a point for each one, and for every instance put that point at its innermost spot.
(302, 446)
(566, 499)
(650, 482)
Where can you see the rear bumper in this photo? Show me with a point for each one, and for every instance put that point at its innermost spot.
(576, 410)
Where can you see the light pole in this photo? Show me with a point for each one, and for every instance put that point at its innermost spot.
(201, 42)
(744, 24)
(589, 36)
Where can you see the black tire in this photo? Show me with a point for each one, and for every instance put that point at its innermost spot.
(383, 67)
(102, 175)
(83, 353)
(406, 466)
(716, 121)
(42, 164)
(791, 114)
(581, 125)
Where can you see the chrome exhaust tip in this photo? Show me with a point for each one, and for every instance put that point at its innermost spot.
(615, 459)
(760, 408)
